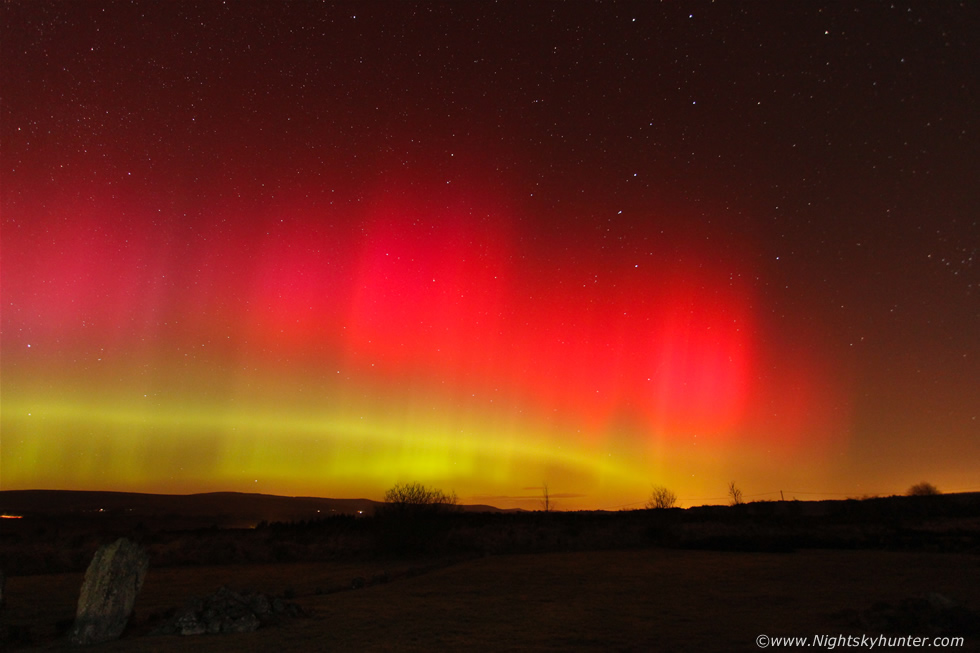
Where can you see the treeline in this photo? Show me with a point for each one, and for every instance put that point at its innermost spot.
(438, 528)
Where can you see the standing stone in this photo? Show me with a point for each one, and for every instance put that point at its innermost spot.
(112, 581)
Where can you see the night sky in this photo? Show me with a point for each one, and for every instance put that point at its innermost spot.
(318, 249)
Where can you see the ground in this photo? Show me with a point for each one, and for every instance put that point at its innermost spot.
(651, 599)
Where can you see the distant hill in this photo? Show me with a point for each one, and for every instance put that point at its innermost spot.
(225, 509)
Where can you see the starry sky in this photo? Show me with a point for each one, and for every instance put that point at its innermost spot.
(321, 248)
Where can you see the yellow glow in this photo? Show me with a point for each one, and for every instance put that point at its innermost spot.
(350, 447)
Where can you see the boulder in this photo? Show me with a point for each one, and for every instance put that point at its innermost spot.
(933, 614)
(112, 581)
(227, 611)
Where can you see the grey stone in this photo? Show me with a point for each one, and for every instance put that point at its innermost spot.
(260, 605)
(227, 611)
(939, 602)
(112, 581)
(933, 614)
(190, 624)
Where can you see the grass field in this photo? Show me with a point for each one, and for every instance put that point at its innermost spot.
(638, 600)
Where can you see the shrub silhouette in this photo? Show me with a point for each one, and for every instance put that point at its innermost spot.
(661, 498)
(416, 498)
(923, 489)
(414, 518)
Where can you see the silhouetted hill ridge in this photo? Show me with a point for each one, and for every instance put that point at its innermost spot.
(222, 508)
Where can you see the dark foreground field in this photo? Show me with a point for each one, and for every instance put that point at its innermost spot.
(654, 599)
(702, 579)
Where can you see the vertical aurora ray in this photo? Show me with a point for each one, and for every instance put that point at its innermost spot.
(336, 354)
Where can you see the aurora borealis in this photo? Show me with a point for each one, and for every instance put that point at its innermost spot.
(318, 249)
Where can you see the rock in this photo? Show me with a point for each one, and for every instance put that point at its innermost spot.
(227, 611)
(939, 602)
(260, 604)
(933, 614)
(112, 581)
(189, 623)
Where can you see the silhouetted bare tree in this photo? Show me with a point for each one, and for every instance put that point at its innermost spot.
(734, 494)
(415, 497)
(923, 489)
(661, 498)
(414, 518)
